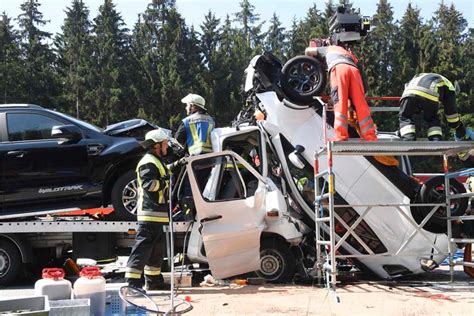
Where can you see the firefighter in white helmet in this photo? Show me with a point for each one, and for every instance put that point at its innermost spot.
(194, 133)
(152, 214)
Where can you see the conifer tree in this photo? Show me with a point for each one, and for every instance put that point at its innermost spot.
(377, 52)
(329, 11)
(297, 39)
(275, 41)
(407, 51)
(74, 55)
(10, 69)
(212, 62)
(38, 78)
(248, 19)
(449, 26)
(465, 100)
(110, 50)
(233, 57)
(313, 24)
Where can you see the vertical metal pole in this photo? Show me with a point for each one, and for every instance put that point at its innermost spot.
(317, 205)
(171, 258)
(325, 115)
(448, 215)
(331, 215)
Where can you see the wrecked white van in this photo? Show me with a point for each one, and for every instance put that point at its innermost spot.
(254, 202)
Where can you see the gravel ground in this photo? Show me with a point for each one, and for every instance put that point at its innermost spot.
(426, 294)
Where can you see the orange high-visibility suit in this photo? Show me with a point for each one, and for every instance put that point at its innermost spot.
(346, 84)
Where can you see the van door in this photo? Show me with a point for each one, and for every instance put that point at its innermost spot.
(230, 211)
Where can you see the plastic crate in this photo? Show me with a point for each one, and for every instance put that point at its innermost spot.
(75, 307)
(31, 306)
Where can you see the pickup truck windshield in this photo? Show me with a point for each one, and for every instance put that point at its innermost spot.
(79, 122)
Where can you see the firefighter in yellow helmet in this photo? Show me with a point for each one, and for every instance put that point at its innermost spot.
(150, 243)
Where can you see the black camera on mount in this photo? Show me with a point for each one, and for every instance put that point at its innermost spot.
(348, 27)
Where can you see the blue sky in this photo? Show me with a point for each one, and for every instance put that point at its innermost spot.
(194, 10)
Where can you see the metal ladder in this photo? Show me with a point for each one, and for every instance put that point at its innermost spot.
(450, 218)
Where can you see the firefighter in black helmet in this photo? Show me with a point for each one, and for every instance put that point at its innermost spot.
(424, 93)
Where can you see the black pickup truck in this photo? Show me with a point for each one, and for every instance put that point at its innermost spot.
(49, 160)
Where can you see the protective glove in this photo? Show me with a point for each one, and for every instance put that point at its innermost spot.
(310, 51)
(177, 164)
(182, 161)
(469, 133)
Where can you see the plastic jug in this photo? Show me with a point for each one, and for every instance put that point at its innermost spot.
(91, 285)
(53, 285)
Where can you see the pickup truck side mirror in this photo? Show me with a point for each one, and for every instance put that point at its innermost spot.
(67, 133)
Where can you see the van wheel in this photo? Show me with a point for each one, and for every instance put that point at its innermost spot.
(433, 191)
(10, 262)
(277, 263)
(124, 197)
(303, 78)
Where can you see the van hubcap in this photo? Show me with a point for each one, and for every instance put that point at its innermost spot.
(271, 264)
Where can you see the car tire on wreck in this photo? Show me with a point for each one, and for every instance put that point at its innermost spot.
(303, 77)
(433, 191)
(277, 262)
(124, 197)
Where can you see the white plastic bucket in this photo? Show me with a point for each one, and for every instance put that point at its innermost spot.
(53, 285)
(91, 285)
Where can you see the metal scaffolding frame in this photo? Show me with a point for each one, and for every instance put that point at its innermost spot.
(326, 235)
(450, 218)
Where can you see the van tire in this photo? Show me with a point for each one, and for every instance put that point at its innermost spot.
(10, 262)
(432, 191)
(277, 261)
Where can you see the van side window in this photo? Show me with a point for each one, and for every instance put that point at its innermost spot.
(223, 178)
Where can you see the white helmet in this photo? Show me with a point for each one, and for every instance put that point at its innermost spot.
(155, 136)
(195, 99)
(470, 183)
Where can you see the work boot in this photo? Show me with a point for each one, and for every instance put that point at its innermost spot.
(134, 290)
(157, 283)
(435, 138)
(157, 287)
(409, 137)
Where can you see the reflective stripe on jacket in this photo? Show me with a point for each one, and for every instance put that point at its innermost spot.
(198, 133)
(152, 190)
(427, 85)
(336, 55)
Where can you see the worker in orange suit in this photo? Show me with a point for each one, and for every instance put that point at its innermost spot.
(346, 84)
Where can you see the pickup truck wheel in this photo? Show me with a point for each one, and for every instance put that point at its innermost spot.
(10, 262)
(277, 263)
(433, 191)
(124, 197)
(303, 77)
